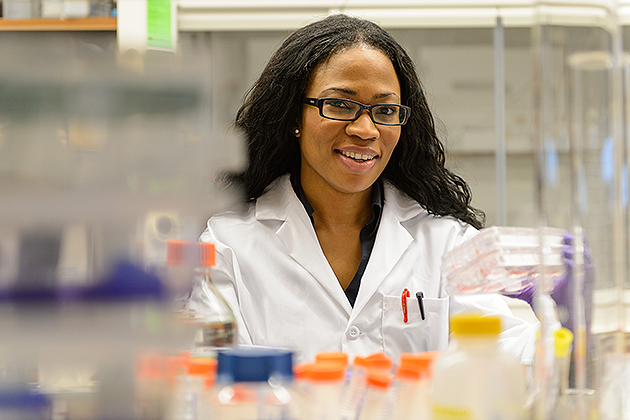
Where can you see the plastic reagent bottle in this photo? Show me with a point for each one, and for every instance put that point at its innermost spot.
(409, 401)
(204, 307)
(378, 403)
(325, 386)
(332, 357)
(413, 376)
(474, 379)
(559, 402)
(357, 385)
(253, 383)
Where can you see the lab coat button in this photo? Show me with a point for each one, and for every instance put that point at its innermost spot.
(353, 332)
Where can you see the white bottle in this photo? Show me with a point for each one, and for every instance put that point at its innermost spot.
(474, 379)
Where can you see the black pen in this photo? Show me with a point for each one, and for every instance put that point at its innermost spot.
(420, 296)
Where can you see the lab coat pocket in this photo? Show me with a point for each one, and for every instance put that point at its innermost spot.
(416, 334)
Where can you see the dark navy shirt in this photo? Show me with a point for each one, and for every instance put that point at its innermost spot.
(367, 235)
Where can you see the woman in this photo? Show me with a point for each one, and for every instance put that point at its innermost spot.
(349, 206)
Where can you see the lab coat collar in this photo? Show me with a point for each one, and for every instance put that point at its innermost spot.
(298, 236)
(392, 240)
(279, 197)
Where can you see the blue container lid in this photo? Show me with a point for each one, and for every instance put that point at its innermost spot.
(254, 365)
(22, 399)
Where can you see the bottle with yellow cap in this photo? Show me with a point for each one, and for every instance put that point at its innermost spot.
(204, 308)
(560, 401)
(474, 379)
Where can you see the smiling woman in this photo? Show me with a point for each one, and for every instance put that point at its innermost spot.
(348, 204)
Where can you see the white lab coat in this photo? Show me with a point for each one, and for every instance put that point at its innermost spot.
(273, 272)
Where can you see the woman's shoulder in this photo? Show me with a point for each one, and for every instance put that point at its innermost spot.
(250, 215)
(410, 212)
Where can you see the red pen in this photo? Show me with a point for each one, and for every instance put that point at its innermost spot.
(403, 298)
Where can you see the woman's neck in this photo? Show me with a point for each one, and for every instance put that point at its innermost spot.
(334, 208)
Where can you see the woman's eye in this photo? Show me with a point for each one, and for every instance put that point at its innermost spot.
(337, 104)
(386, 110)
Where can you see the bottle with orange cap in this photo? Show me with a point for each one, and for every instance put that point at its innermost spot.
(338, 357)
(357, 385)
(325, 383)
(204, 308)
(413, 376)
(377, 404)
(474, 379)
(407, 392)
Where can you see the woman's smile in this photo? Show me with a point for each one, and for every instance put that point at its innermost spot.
(358, 160)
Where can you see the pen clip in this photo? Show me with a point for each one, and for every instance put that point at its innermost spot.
(403, 298)
(420, 297)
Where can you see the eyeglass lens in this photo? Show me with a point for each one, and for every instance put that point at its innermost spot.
(346, 110)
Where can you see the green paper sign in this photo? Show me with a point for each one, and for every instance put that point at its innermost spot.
(159, 24)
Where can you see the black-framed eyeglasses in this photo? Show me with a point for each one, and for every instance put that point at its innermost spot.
(348, 110)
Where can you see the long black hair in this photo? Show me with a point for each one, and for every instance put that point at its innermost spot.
(272, 109)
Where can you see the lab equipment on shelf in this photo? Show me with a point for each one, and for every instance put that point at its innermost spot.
(503, 259)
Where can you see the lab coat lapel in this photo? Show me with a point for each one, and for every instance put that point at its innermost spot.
(298, 236)
(392, 240)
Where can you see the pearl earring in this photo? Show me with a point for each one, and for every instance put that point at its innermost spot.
(296, 131)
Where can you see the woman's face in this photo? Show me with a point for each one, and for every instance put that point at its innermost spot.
(329, 148)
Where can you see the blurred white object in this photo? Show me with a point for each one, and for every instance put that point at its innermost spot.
(99, 167)
(473, 378)
(502, 259)
(204, 309)
(20, 9)
(76, 8)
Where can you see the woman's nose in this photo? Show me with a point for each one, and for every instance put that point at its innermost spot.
(363, 127)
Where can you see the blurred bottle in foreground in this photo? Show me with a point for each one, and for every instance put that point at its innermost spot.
(190, 265)
(253, 384)
(474, 379)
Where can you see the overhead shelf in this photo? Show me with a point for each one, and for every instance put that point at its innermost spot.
(48, 24)
(229, 15)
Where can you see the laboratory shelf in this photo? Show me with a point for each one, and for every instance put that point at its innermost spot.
(49, 24)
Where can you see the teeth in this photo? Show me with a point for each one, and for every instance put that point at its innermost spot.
(356, 156)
